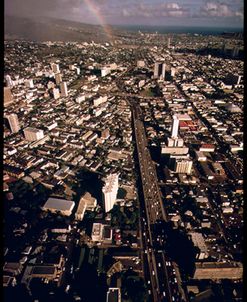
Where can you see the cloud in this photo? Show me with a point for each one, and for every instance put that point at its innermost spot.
(31, 8)
(170, 9)
(217, 9)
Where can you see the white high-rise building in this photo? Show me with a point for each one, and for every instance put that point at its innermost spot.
(173, 71)
(64, 89)
(9, 81)
(175, 126)
(55, 68)
(13, 122)
(78, 70)
(159, 70)
(169, 42)
(56, 93)
(7, 96)
(109, 191)
(58, 78)
(33, 134)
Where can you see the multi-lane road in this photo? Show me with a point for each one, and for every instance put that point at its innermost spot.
(159, 272)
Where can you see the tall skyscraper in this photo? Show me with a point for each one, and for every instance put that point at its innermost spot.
(55, 68)
(13, 122)
(175, 126)
(169, 42)
(159, 70)
(9, 81)
(8, 97)
(64, 89)
(173, 71)
(58, 78)
(78, 70)
(109, 191)
(56, 93)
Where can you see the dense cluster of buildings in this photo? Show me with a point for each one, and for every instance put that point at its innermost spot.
(71, 115)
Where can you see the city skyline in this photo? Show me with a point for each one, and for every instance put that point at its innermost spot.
(210, 13)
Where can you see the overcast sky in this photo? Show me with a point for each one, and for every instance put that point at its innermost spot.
(225, 13)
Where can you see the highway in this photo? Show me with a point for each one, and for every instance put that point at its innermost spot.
(158, 270)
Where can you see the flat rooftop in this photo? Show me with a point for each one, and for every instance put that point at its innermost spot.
(59, 204)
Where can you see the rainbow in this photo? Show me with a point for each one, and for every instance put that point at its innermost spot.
(93, 9)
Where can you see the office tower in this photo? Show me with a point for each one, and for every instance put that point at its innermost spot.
(239, 79)
(64, 90)
(33, 134)
(175, 126)
(9, 81)
(8, 97)
(223, 49)
(169, 42)
(109, 191)
(58, 78)
(29, 83)
(159, 70)
(56, 93)
(13, 122)
(235, 52)
(78, 70)
(55, 68)
(173, 71)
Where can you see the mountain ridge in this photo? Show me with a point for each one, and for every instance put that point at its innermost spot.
(48, 29)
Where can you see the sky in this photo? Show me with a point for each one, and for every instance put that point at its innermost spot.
(198, 13)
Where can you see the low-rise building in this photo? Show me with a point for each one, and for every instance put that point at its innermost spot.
(62, 206)
(218, 270)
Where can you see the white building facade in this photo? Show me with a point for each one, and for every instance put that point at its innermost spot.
(109, 191)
